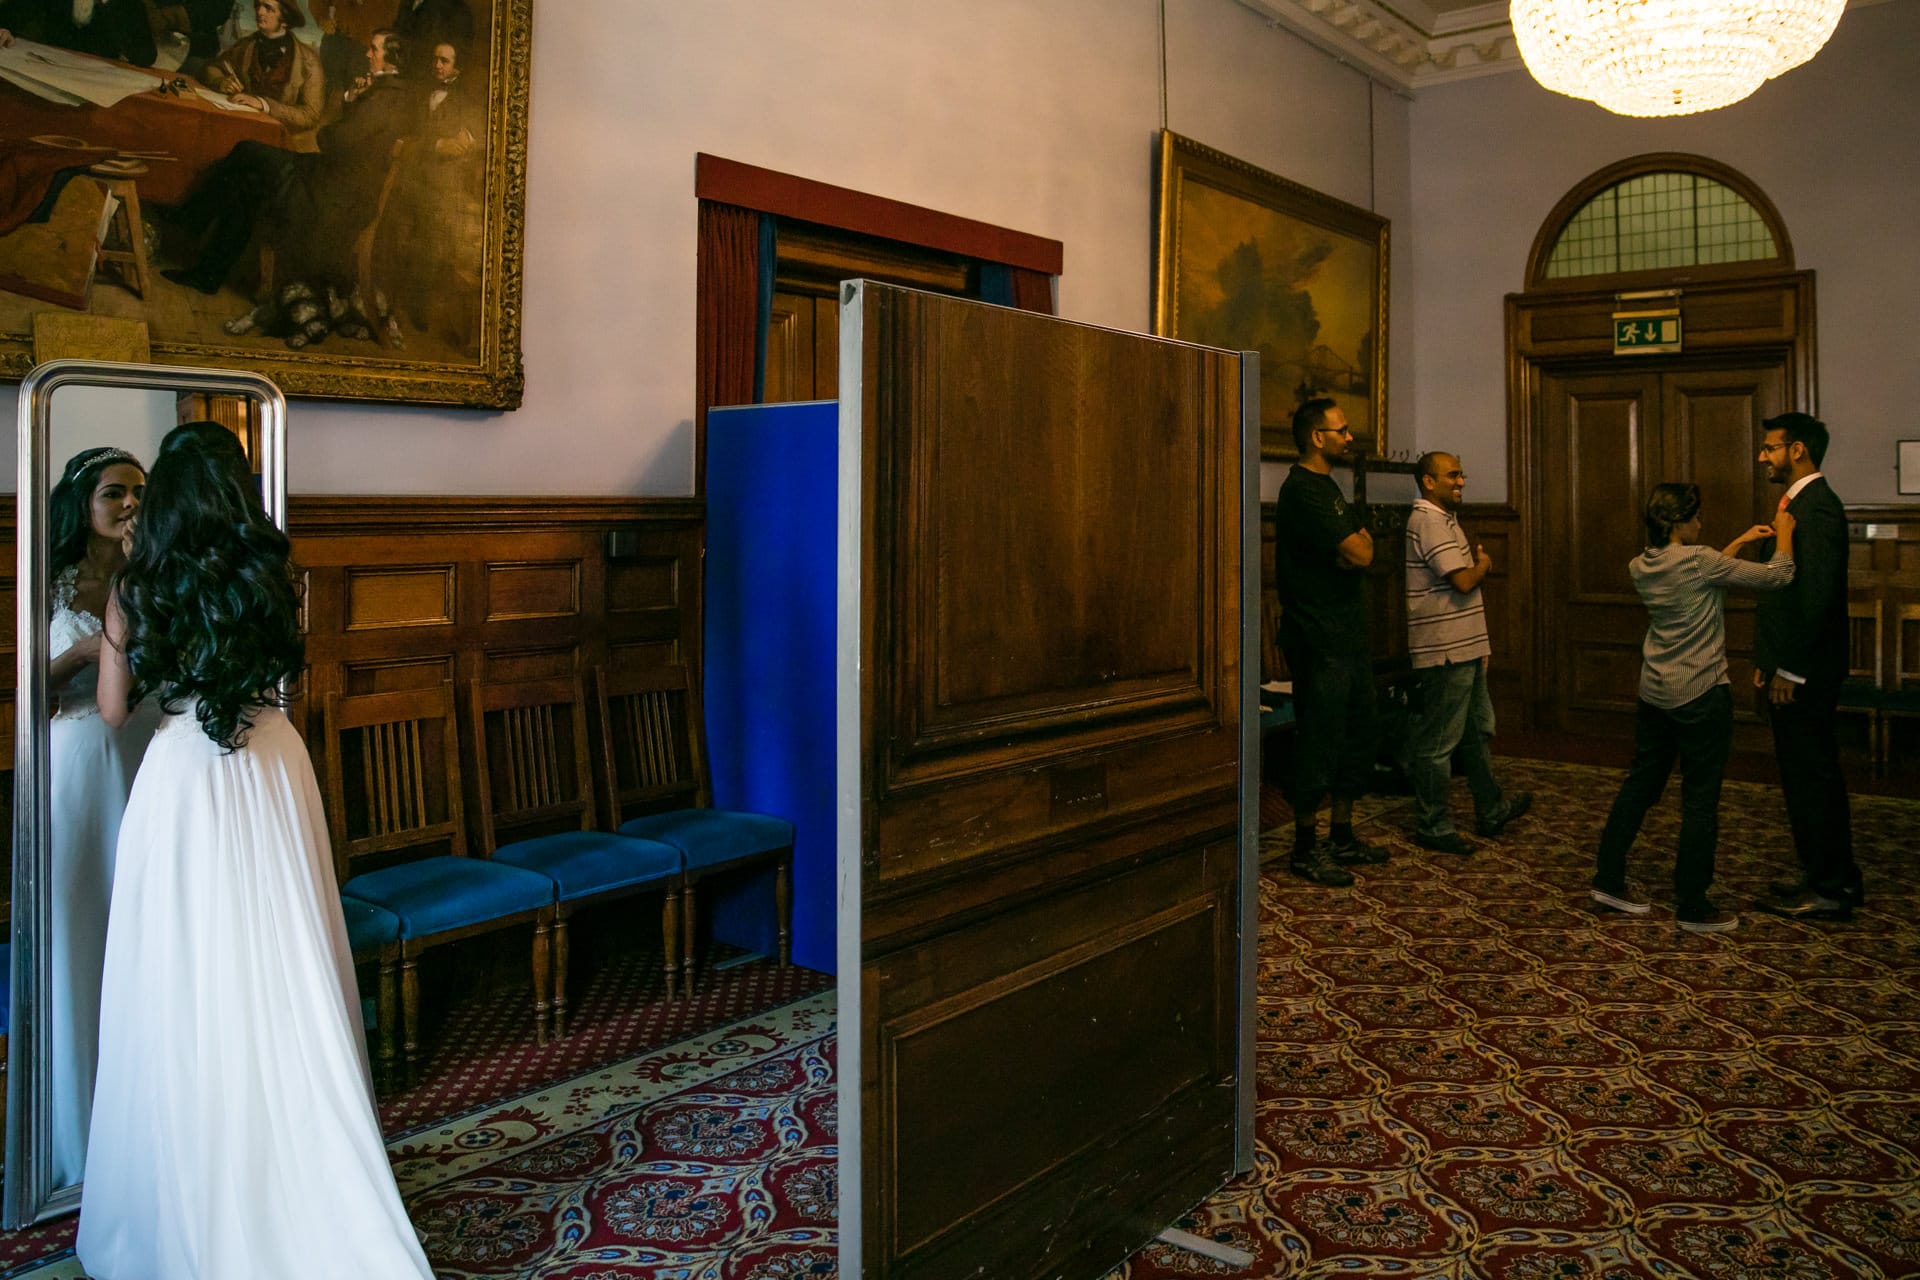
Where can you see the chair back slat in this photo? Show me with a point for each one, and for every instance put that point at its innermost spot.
(651, 758)
(530, 742)
(535, 771)
(393, 775)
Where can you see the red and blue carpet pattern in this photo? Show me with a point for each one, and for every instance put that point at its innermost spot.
(1467, 1071)
(732, 1176)
(482, 1053)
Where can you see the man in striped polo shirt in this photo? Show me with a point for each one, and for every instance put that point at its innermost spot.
(1447, 641)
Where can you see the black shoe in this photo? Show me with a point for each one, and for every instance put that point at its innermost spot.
(1788, 888)
(191, 279)
(1621, 899)
(1314, 865)
(1709, 920)
(1355, 853)
(1517, 805)
(1452, 843)
(1808, 905)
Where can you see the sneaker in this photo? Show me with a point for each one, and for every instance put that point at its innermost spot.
(1788, 888)
(1808, 906)
(1517, 805)
(1449, 843)
(1621, 901)
(1314, 866)
(1711, 921)
(1355, 853)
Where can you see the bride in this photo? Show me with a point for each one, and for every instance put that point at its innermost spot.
(234, 1135)
(91, 764)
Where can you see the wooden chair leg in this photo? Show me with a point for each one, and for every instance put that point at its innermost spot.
(542, 975)
(783, 907)
(383, 1003)
(670, 934)
(559, 976)
(688, 928)
(410, 1015)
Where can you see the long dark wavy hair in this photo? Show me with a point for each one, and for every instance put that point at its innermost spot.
(70, 505)
(211, 604)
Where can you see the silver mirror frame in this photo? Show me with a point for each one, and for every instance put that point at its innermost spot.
(28, 1196)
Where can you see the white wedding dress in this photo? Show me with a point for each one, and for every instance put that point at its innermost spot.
(91, 767)
(234, 1135)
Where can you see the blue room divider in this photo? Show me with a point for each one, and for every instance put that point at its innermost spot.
(772, 509)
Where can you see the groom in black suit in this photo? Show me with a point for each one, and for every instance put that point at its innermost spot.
(1800, 656)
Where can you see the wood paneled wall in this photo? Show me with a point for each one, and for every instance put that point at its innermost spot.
(411, 591)
(406, 592)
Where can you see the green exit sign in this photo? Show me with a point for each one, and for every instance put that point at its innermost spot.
(1645, 333)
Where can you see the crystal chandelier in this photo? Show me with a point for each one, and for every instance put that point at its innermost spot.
(1667, 57)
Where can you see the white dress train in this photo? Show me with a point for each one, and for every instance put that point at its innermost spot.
(90, 770)
(234, 1134)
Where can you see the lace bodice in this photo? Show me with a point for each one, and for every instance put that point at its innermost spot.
(79, 697)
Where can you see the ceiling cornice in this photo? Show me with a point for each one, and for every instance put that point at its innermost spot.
(1408, 44)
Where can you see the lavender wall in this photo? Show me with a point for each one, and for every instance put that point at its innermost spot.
(1835, 144)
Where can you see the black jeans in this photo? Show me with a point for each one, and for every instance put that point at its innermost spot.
(1699, 735)
(1333, 746)
(1807, 746)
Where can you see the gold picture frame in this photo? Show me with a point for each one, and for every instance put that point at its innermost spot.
(1247, 260)
(440, 252)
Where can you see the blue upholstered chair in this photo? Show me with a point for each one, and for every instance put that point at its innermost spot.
(657, 790)
(394, 804)
(373, 935)
(530, 745)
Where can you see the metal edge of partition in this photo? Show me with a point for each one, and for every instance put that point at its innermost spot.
(848, 806)
(1249, 878)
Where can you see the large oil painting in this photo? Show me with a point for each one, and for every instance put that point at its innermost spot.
(328, 191)
(1247, 260)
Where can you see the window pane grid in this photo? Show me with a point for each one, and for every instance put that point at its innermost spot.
(1656, 221)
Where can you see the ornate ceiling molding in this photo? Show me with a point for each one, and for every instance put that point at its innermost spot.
(1408, 44)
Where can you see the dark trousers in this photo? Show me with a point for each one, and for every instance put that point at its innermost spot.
(1807, 746)
(1699, 735)
(245, 185)
(1333, 743)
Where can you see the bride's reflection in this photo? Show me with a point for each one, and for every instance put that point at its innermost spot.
(90, 516)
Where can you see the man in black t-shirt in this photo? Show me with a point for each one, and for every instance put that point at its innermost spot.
(1321, 551)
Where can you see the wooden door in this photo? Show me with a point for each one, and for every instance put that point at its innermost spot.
(803, 346)
(1043, 873)
(1607, 437)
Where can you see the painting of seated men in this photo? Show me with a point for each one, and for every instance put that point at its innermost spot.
(272, 182)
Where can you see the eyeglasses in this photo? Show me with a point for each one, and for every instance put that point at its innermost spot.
(1770, 448)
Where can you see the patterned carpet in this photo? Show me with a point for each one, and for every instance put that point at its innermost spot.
(1464, 1071)
(716, 1161)
(481, 1051)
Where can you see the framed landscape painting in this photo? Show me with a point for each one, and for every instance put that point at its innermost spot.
(1246, 260)
(330, 192)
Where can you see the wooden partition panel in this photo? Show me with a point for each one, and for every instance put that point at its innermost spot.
(1049, 770)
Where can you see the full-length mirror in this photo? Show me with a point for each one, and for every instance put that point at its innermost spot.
(86, 432)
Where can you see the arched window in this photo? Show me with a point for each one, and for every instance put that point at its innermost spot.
(1663, 217)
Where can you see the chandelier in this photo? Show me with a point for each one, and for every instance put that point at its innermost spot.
(1667, 57)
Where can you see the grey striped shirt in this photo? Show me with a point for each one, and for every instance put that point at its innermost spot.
(1685, 589)
(1443, 625)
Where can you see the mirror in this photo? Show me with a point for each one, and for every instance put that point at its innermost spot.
(85, 431)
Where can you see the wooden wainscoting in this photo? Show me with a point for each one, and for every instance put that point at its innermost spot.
(410, 591)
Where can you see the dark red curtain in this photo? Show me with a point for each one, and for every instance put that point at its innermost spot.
(729, 292)
(1032, 290)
